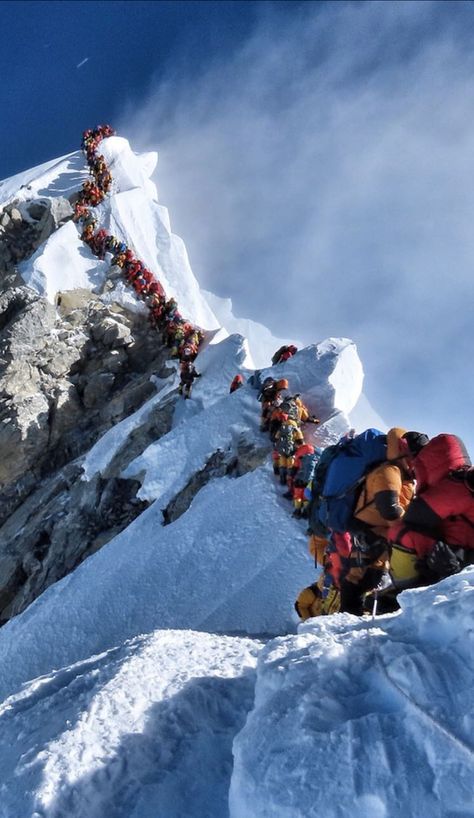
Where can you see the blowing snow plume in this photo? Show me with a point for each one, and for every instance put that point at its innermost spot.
(320, 178)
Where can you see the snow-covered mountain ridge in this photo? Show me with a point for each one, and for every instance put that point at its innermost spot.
(121, 682)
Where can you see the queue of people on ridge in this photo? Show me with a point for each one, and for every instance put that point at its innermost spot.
(385, 512)
(179, 335)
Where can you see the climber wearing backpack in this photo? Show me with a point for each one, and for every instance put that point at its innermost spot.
(288, 438)
(188, 375)
(319, 599)
(304, 415)
(237, 382)
(280, 410)
(333, 490)
(300, 453)
(283, 354)
(436, 537)
(301, 475)
(350, 461)
(383, 497)
(270, 397)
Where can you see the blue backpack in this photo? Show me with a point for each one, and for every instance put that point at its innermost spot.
(308, 467)
(345, 475)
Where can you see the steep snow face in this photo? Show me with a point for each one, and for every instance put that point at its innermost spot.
(133, 214)
(329, 375)
(234, 561)
(60, 177)
(164, 466)
(63, 263)
(365, 718)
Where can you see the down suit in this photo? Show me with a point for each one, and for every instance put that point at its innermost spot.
(443, 509)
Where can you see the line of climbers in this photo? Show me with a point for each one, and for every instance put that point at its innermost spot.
(283, 416)
(386, 512)
(178, 334)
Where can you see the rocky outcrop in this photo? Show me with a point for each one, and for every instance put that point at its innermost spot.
(65, 518)
(64, 380)
(68, 373)
(24, 226)
(220, 464)
(60, 524)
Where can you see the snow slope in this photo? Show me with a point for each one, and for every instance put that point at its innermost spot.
(111, 736)
(233, 562)
(365, 718)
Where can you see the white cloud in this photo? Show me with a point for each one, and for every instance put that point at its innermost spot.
(322, 178)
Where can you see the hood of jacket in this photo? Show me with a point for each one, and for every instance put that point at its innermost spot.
(393, 442)
(443, 454)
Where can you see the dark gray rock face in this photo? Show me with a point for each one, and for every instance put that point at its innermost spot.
(24, 226)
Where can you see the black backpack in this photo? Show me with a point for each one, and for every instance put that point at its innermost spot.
(286, 440)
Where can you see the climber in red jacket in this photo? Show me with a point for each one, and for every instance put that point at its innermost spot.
(436, 536)
(236, 383)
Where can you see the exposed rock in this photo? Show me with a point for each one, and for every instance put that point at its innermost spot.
(67, 375)
(24, 226)
(232, 463)
(63, 384)
(15, 215)
(65, 520)
(70, 300)
(97, 387)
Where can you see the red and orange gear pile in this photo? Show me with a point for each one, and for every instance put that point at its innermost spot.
(178, 333)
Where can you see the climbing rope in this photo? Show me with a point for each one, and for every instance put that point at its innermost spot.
(179, 334)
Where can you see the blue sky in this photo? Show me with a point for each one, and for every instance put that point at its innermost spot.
(316, 158)
(128, 46)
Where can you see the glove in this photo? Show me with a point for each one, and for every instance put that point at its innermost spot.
(442, 561)
(314, 419)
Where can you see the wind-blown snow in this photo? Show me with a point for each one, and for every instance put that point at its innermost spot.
(261, 342)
